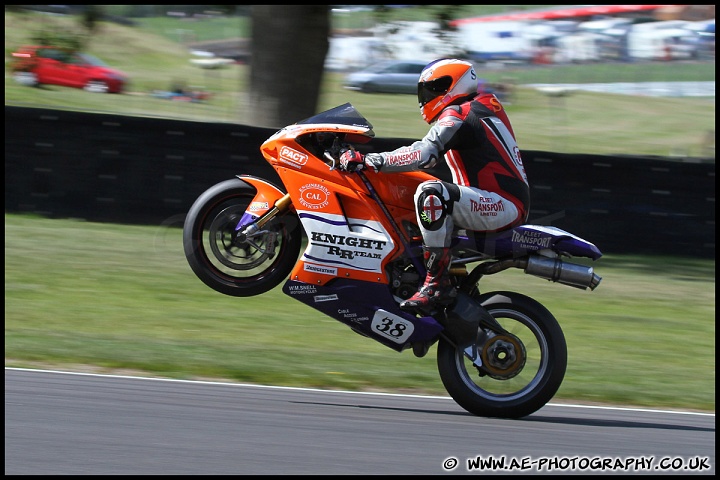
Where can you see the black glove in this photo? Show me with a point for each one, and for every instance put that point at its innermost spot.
(351, 160)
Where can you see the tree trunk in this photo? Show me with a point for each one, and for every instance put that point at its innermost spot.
(288, 48)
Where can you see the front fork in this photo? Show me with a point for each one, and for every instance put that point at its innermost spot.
(246, 227)
(249, 228)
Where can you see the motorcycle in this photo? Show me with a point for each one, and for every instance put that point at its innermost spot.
(499, 353)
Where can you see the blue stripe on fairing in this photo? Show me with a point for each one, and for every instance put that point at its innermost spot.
(322, 219)
(331, 222)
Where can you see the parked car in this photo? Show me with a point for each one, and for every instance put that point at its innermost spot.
(390, 76)
(37, 65)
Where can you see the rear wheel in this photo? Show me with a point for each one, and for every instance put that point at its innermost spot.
(520, 370)
(231, 264)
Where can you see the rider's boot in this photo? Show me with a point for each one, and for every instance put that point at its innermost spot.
(437, 289)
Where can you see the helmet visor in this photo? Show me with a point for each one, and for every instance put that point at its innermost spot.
(432, 89)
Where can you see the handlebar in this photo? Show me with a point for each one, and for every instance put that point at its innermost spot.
(332, 161)
(332, 154)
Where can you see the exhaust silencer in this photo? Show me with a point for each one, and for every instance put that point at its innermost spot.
(555, 270)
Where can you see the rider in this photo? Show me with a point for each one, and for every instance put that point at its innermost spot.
(489, 191)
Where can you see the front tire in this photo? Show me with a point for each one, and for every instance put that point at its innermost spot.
(521, 370)
(233, 267)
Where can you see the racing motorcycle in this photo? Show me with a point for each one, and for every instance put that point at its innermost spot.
(499, 353)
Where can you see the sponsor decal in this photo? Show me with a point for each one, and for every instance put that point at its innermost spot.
(255, 206)
(329, 238)
(302, 289)
(325, 298)
(495, 104)
(486, 206)
(352, 316)
(332, 242)
(359, 320)
(391, 326)
(531, 240)
(403, 158)
(293, 157)
(346, 313)
(446, 122)
(309, 267)
(314, 196)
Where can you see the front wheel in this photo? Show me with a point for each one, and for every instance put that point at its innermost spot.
(231, 264)
(518, 371)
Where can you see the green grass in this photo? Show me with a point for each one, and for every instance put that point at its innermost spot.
(107, 297)
(582, 122)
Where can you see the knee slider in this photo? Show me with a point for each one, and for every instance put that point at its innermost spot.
(434, 203)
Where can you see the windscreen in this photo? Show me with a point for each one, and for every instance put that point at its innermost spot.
(344, 115)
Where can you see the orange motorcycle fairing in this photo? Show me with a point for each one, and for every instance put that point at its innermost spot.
(266, 195)
(348, 235)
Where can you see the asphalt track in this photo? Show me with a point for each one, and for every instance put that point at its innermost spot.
(62, 423)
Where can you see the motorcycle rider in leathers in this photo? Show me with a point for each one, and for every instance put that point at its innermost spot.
(489, 191)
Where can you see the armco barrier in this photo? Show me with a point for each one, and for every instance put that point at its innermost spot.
(112, 168)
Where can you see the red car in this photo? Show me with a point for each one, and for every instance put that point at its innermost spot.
(36, 65)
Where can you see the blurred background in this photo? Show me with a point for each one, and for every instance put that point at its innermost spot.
(612, 79)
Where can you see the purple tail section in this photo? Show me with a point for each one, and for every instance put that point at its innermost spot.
(526, 239)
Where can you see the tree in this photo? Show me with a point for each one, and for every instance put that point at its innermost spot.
(289, 44)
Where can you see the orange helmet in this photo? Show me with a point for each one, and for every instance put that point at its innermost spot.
(442, 83)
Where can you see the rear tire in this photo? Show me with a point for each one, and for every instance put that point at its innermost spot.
(521, 371)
